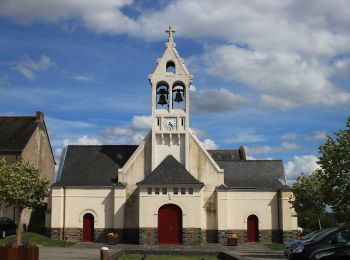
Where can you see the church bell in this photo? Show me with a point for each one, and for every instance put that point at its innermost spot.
(178, 96)
(162, 99)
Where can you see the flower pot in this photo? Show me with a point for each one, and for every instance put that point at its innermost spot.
(31, 253)
(232, 241)
(11, 253)
(19, 253)
(112, 240)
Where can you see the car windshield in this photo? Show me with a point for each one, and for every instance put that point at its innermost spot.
(325, 234)
(314, 234)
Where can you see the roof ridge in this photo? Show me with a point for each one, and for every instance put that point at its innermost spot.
(17, 116)
(102, 145)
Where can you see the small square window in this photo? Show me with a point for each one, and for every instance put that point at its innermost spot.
(149, 190)
(156, 190)
(190, 191)
(183, 190)
(164, 190)
(176, 190)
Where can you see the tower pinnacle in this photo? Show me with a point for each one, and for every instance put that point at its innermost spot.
(170, 31)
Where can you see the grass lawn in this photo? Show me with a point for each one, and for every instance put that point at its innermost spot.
(36, 239)
(275, 246)
(168, 257)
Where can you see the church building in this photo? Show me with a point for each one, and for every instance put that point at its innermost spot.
(169, 189)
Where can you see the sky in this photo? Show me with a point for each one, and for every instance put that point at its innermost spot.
(273, 76)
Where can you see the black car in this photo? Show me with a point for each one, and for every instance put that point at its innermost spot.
(7, 227)
(303, 251)
(295, 243)
(339, 251)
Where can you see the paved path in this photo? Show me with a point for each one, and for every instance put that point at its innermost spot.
(91, 251)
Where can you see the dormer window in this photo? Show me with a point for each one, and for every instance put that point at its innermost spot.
(170, 67)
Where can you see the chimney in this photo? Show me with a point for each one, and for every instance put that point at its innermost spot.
(39, 117)
(242, 153)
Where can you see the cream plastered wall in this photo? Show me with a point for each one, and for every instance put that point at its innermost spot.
(205, 169)
(289, 217)
(189, 204)
(234, 207)
(105, 204)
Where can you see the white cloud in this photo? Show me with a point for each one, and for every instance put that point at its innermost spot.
(215, 100)
(27, 67)
(82, 78)
(265, 149)
(305, 164)
(285, 51)
(142, 122)
(289, 136)
(83, 140)
(280, 77)
(132, 133)
(209, 144)
(245, 136)
(319, 135)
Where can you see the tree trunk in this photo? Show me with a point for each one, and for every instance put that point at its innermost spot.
(19, 229)
(319, 221)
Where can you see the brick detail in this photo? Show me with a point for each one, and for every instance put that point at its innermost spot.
(191, 236)
(148, 236)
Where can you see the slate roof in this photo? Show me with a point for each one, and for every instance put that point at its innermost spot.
(254, 174)
(225, 155)
(169, 171)
(15, 132)
(93, 165)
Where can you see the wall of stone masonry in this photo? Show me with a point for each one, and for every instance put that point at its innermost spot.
(265, 236)
(191, 236)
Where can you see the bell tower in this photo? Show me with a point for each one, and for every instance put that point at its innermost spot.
(170, 81)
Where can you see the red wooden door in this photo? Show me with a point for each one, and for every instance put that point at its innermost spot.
(169, 224)
(88, 227)
(253, 228)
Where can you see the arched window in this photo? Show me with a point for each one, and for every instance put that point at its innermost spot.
(162, 95)
(170, 67)
(179, 97)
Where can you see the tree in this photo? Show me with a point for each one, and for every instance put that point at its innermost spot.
(334, 170)
(21, 186)
(308, 198)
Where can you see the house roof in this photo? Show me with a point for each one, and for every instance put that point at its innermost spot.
(93, 165)
(15, 132)
(254, 174)
(225, 155)
(169, 171)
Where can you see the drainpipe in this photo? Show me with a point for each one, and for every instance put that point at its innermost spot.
(64, 213)
(279, 201)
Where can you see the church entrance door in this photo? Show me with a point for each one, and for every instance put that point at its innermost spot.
(253, 229)
(88, 227)
(169, 224)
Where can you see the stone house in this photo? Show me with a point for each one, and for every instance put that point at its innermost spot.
(26, 137)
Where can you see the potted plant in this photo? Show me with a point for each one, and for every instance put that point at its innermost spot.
(232, 239)
(112, 238)
(27, 251)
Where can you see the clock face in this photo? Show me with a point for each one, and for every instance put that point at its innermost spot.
(169, 123)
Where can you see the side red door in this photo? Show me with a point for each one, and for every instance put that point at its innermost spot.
(169, 224)
(88, 227)
(253, 228)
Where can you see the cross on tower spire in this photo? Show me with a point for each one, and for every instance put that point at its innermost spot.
(170, 31)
